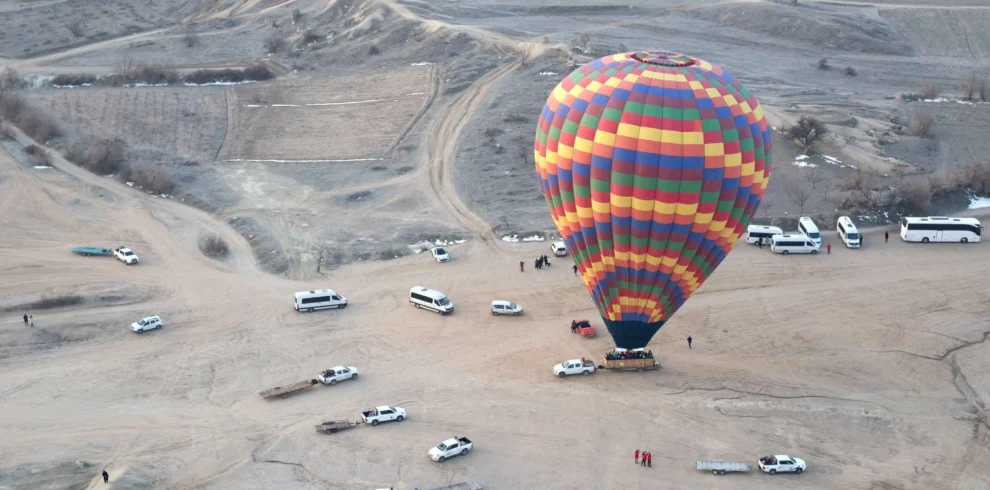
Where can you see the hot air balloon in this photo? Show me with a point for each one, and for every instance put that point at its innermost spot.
(652, 164)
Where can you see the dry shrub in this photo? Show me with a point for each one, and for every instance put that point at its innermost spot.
(33, 150)
(153, 179)
(923, 126)
(823, 64)
(975, 176)
(807, 131)
(102, 157)
(916, 197)
(77, 28)
(861, 184)
(928, 91)
(10, 79)
(128, 73)
(850, 71)
(309, 37)
(374, 50)
(214, 246)
(255, 72)
(68, 80)
(55, 301)
(190, 39)
(274, 43)
(969, 86)
(11, 107)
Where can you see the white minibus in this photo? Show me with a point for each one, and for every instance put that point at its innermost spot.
(755, 232)
(847, 232)
(793, 244)
(940, 229)
(806, 226)
(421, 297)
(318, 299)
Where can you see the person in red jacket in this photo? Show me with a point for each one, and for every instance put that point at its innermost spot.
(636, 457)
(828, 249)
(649, 459)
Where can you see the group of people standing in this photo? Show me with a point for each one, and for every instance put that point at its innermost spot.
(542, 261)
(647, 458)
(614, 356)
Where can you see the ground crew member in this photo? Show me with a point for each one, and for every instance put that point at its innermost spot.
(575, 270)
(521, 265)
(636, 457)
(886, 236)
(106, 477)
(689, 342)
(828, 248)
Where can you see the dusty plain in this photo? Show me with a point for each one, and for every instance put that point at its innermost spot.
(869, 364)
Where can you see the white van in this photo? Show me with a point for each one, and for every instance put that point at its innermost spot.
(755, 232)
(806, 226)
(847, 232)
(793, 244)
(559, 249)
(319, 299)
(421, 297)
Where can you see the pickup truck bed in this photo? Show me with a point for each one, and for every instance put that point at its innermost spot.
(631, 364)
(284, 391)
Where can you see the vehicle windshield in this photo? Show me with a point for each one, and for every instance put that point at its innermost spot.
(512, 306)
(441, 251)
(128, 253)
(815, 235)
(442, 447)
(443, 301)
(143, 322)
(853, 236)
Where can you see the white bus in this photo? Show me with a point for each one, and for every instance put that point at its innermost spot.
(847, 232)
(940, 229)
(755, 232)
(318, 299)
(793, 244)
(807, 226)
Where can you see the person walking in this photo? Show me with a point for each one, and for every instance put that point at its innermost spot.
(575, 270)
(106, 477)
(521, 266)
(642, 460)
(649, 459)
(636, 456)
(828, 248)
(689, 342)
(886, 237)
(761, 243)
(26, 317)
(539, 262)
(32, 320)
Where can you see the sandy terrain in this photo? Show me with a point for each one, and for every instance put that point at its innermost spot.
(873, 391)
(870, 365)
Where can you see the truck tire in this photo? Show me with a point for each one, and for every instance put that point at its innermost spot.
(333, 382)
(639, 370)
(465, 451)
(331, 431)
(714, 472)
(799, 470)
(399, 418)
(773, 471)
(562, 375)
(374, 423)
(586, 373)
(355, 376)
(443, 458)
(721, 472)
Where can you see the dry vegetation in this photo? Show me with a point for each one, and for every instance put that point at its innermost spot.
(807, 132)
(49, 301)
(975, 87)
(923, 126)
(975, 176)
(152, 179)
(214, 247)
(33, 123)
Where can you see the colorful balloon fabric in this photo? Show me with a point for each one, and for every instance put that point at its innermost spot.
(652, 165)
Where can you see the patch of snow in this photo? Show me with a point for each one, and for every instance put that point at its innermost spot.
(304, 225)
(43, 167)
(979, 202)
(936, 100)
(285, 105)
(306, 161)
(534, 238)
(73, 86)
(421, 63)
(549, 73)
(215, 84)
(141, 84)
(346, 103)
(255, 105)
(130, 184)
(416, 93)
(510, 238)
(165, 196)
(459, 241)
(802, 157)
(800, 162)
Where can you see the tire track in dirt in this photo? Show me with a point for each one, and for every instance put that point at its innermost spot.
(442, 148)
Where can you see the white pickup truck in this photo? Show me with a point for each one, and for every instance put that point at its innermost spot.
(383, 414)
(782, 463)
(339, 373)
(574, 366)
(125, 255)
(450, 448)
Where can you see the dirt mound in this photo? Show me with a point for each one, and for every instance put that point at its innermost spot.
(812, 26)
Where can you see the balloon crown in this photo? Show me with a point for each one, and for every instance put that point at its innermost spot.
(664, 58)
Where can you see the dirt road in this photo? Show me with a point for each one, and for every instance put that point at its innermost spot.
(868, 364)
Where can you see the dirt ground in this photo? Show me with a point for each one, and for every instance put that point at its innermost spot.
(870, 365)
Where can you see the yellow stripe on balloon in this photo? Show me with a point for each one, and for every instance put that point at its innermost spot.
(604, 138)
(629, 130)
(642, 204)
(583, 145)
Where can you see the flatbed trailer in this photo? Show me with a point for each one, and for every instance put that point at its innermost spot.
(722, 467)
(335, 426)
(87, 251)
(638, 365)
(285, 391)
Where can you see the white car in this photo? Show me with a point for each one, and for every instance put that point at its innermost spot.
(450, 448)
(559, 249)
(384, 413)
(339, 373)
(574, 366)
(500, 307)
(782, 463)
(440, 254)
(145, 324)
(125, 255)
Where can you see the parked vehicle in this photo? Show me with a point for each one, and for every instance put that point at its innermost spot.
(793, 244)
(755, 232)
(146, 324)
(638, 365)
(808, 228)
(319, 299)
(500, 307)
(559, 249)
(782, 463)
(125, 255)
(450, 448)
(584, 328)
(941, 229)
(847, 232)
(285, 391)
(339, 373)
(574, 366)
(87, 251)
(335, 426)
(384, 413)
(440, 254)
(421, 297)
(722, 467)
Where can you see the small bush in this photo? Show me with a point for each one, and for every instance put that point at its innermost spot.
(916, 197)
(77, 28)
(923, 126)
(10, 79)
(190, 39)
(102, 157)
(297, 16)
(515, 118)
(309, 37)
(274, 43)
(823, 64)
(48, 301)
(256, 72)
(850, 71)
(153, 179)
(214, 247)
(929, 91)
(11, 107)
(68, 80)
(969, 87)
(38, 126)
(33, 150)
(374, 50)
(975, 176)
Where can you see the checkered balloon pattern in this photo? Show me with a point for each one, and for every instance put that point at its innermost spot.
(652, 164)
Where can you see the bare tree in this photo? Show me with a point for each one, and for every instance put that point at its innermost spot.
(823, 64)
(923, 126)
(9, 78)
(916, 197)
(814, 176)
(928, 91)
(190, 38)
(77, 28)
(975, 176)
(797, 194)
(826, 187)
(860, 182)
(807, 131)
(297, 16)
(984, 90)
(969, 87)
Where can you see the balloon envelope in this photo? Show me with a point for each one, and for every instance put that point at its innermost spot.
(652, 165)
